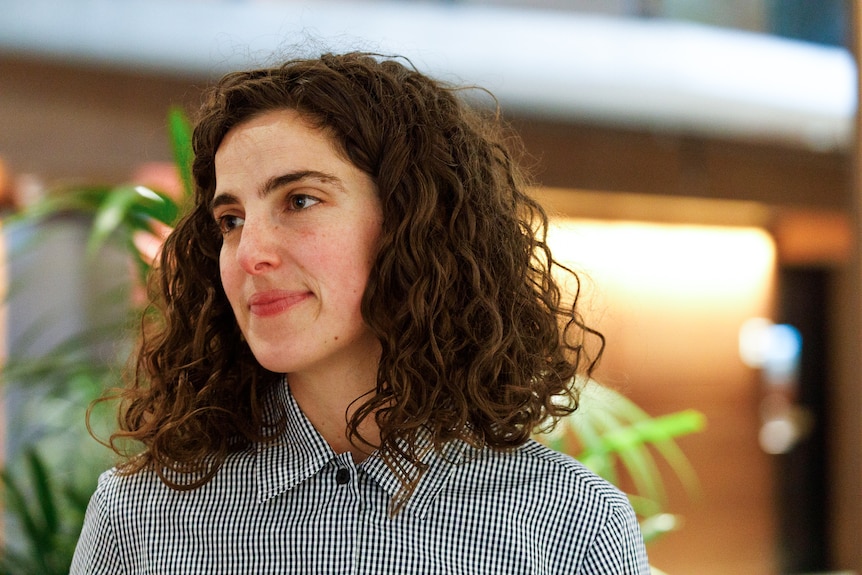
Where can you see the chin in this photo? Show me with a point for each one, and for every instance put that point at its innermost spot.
(275, 365)
(271, 360)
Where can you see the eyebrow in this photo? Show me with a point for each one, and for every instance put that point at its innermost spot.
(276, 182)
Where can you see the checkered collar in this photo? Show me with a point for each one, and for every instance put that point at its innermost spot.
(301, 453)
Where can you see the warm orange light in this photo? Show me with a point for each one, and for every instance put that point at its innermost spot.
(670, 299)
(683, 263)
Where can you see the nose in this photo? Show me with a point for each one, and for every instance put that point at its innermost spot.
(258, 249)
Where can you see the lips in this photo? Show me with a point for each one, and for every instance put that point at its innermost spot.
(274, 302)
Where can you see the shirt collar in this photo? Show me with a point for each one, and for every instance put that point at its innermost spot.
(295, 456)
(301, 452)
(440, 467)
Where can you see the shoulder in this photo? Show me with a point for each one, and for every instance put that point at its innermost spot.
(567, 466)
(106, 535)
(611, 535)
(545, 498)
(534, 465)
(125, 492)
(540, 484)
(119, 491)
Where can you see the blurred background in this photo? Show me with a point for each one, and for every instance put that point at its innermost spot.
(700, 158)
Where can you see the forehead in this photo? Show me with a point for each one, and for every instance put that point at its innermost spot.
(278, 130)
(277, 147)
(277, 122)
(272, 139)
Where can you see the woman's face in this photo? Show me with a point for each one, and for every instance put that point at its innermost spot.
(301, 226)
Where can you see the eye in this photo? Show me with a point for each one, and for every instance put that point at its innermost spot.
(228, 222)
(298, 202)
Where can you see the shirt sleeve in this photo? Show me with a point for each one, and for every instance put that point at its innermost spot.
(619, 548)
(97, 552)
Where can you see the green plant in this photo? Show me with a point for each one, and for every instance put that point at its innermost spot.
(119, 212)
(47, 485)
(49, 515)
(617, 439)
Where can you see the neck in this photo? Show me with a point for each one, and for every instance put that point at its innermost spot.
(330, 401)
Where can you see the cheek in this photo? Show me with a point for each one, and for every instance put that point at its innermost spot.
(221, 267)
(227, 275)
(348, 262)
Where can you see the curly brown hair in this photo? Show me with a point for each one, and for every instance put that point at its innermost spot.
(478, 342)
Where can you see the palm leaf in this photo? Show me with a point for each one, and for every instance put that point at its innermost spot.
(38, 519)
(659, 524)
(18, 505)
(609, 433)
(129, 208)
(50, 517)
(46, 503)
(180, 133)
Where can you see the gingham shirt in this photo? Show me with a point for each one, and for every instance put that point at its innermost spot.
(298, 507)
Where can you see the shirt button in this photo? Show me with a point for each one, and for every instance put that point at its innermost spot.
(342, 476)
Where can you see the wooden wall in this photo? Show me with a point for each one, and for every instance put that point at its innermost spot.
(64, 121)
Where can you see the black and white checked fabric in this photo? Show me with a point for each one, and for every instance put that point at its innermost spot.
(297, 507)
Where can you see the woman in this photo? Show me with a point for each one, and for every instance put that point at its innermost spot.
(358, 331)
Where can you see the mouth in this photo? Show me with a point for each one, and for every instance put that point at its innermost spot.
(274, 302)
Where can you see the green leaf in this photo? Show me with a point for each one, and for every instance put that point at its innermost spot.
(17, 504)
(45, 499)
(110, 216)
(660, 432)
(12, 563)
(644, 506)
(657, 525)
(37, 536)
(50, 517)
(180, 132)
(619, 439)
(86, 199)
(592, 455)
(612, 432)
(129, 208)
(48, 498)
